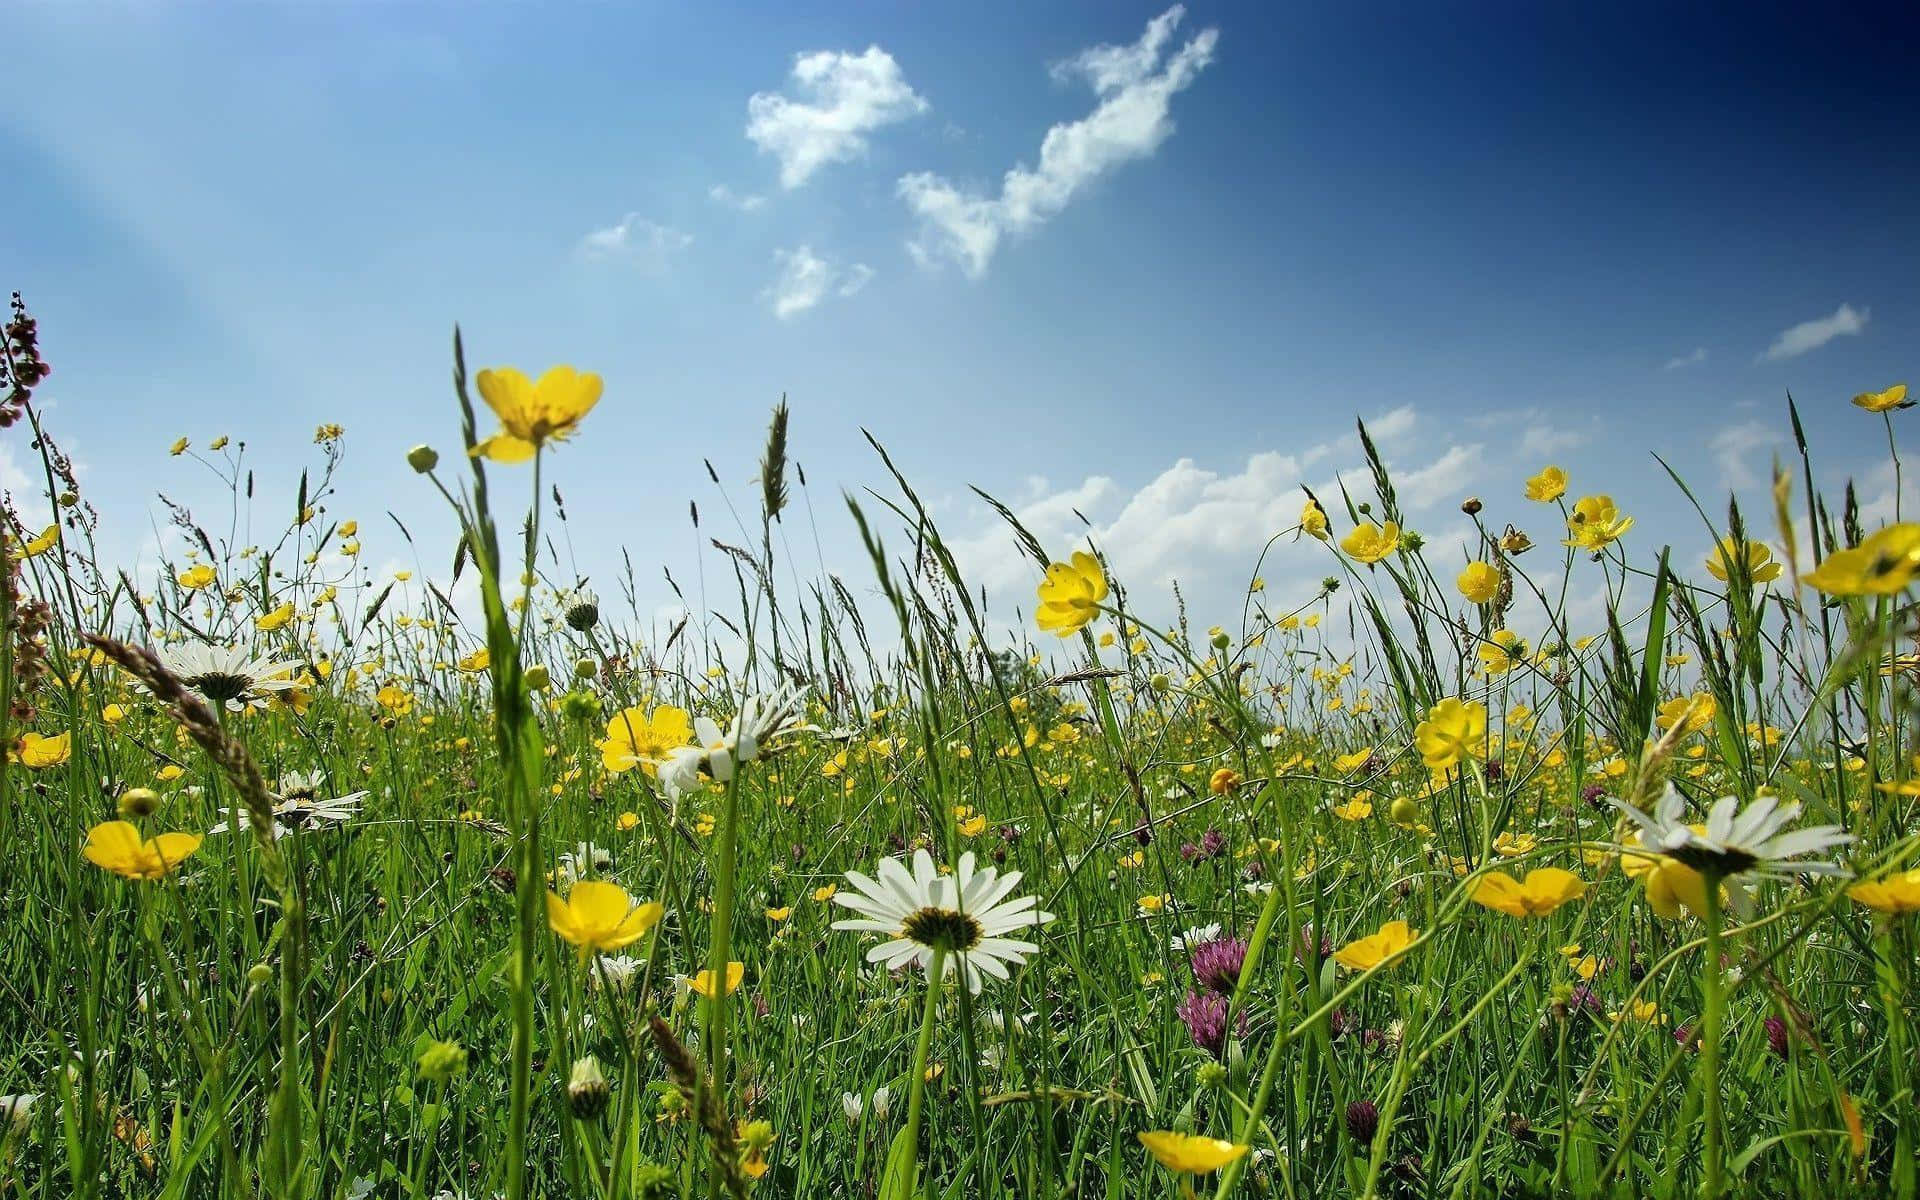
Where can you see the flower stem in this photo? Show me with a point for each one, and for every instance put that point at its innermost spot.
(720, 953)
(917, 1086)
(1712, 987)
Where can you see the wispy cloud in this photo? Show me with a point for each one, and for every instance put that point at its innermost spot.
(848, 97)
(726, 197)
(1694, 359)
(1811, 335)
(647, 245)
(1731, 447)
(1136, 89)
(806, 279)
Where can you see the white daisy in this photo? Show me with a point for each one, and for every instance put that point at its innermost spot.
(763, 721)
(298, 806)
(617, 971)
(965, 915)
(1197, 935)
(1754, 843)
(226, 675)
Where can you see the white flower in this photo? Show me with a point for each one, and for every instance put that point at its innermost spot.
(1271, 740)
(852, 1105)
(617, 971)
(1196, 935)
(1755, 843)
(226, 675)
(17, 1111)
(297, 805)
(882, 1102)
(965, 915)
(763, 721)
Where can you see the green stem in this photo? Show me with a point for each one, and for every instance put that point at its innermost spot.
(917, 1085)
(1713, 987)
(720, 954)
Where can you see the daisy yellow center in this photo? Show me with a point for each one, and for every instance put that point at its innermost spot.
(943, 929)
(218, 685)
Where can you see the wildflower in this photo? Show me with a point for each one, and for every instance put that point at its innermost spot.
(587, 1089)
(616, 971)
(423, 458)
(1224, 781)
(1217, 963)
(1539, 894)
(1189, 1153)
(1205, 1016)
(583, 611)
(1549, 485)
(36, 546)
(965, 916)
(1455, 729)
(1880, 566)
(1895, 894)
(39, 752)
(1479, 583)
(198, 576)
(1376, 949)
(16, 1112)
(226, 675)
(1359, 808)
(1369, 543)
(1735, 844)
(702, 983)
(1692, 713)
(1777, 1036)
(597, 915)
(441, 1061)
(1596, 523)
(179, 447)
(1761, 568)
(297, 805)
(763, 720)
(269, 621)
(1879, 402)
(477, 661)
(138, 802)
(1363, 1119)
(534, 413)
(118, 847)
(1313, 520)
(1501, 652)
(1071, 593)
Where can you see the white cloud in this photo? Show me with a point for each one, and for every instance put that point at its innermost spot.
(1693, 359)
(849, 96)
(1732, 445)
(648, 245)
(806, 279)
(723, 195)
(1136, 89)
(1811, 335)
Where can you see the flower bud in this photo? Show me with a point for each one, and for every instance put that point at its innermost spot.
(585, 668)
(1471, 505)
(259, 974)
(587, 1089)
(1221, 640)
(537, 677)
(1160, 682)
(1404, 812)
(441, 1061)
(423, 458)
(139, 802)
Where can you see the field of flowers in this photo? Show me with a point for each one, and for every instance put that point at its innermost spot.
(1409, 886)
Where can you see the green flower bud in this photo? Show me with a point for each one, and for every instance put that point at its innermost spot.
(588, 1089)
(537, 678)
(441, 1061)
(423, 458)
(139, 802)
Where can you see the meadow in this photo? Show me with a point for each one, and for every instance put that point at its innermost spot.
(1408, 886)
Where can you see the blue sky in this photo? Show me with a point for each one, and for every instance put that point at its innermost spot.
(1530, 233)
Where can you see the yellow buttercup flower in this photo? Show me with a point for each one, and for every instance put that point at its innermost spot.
(196, 577)
(1537, 895)
(1389, 943)
(1896, 894)
(1189, 1153)
(1880, 566)
(477, 661)
(1070, 594)
(1549, 485)
(267, 622)
(1479, 583)
(636, 737)
(703, 982)
(1761, 567)
(1313, 520)
(1693, 712)
(534, 413)
(597, 915)
(118, 847)
(1502, 652)
(40, 752)
(179, 447)
(1454, 729)
(1596, 523)
(48, 538)
(1369, 543)
(1879, 402)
